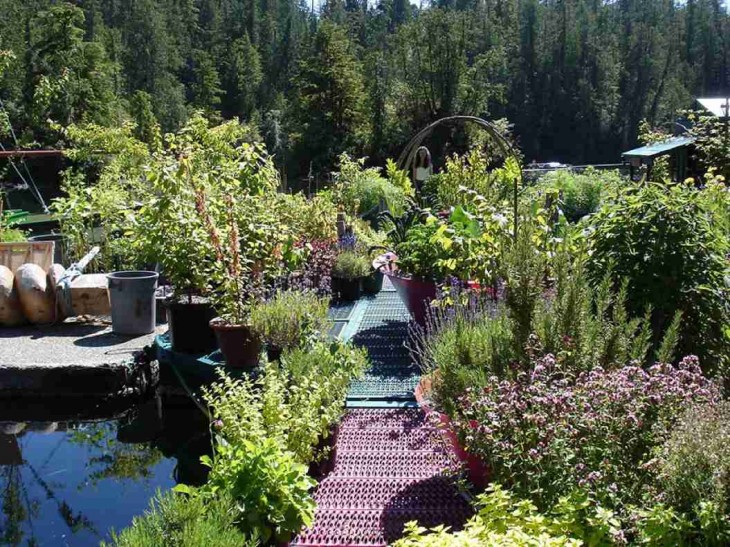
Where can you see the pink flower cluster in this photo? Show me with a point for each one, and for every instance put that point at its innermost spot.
(547, 432)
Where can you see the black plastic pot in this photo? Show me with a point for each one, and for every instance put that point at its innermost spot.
(373, 283)
(273, 353)
(346, 290)
(190, 330)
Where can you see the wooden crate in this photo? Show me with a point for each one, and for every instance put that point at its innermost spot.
(14, 255)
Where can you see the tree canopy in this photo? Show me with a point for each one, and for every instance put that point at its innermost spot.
(575, 77)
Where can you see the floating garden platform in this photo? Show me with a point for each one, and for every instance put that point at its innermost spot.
(73, 359)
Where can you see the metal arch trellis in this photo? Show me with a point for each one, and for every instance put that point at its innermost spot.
(405, 160)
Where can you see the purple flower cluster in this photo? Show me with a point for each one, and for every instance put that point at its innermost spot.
(347, 242)
(316, 274)
(547, 432)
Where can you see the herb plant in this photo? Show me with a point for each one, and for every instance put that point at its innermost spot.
(351, 264)
(668, 247)
(287, 319)
(548, 432)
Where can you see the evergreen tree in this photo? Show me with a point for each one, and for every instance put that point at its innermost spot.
(331, 98)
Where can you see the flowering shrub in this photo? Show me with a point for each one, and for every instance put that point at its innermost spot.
(547, 433)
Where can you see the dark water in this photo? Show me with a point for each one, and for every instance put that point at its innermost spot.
(70, 472)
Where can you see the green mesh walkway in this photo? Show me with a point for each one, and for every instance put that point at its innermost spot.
(380, 325)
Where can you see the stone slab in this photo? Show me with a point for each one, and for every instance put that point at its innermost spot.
(72, 358)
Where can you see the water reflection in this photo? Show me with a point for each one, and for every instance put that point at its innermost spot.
(70, 477)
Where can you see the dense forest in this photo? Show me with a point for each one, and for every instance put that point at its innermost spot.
(574, 77)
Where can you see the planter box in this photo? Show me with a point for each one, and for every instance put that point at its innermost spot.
(477, 470)
(416, 294)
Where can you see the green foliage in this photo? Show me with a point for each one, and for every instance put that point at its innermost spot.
(267, 430)
(361, 191)
(330, 97)
(72, 78)
(580, 194)
(693, 472)
(351, 265)
(470, 172)
(555, 309)
(463, 245)
(503, 519)
(398, 177)
(207, 205)
(712, 141)
(269, 488)
(295, 402)
(289, 318)
(8, 220)
(465, 347)
(178, 520)
(664, 242)
(309, 219)
(566, 78)
(102, 188)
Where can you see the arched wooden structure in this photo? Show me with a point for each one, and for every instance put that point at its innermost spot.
(405, 160)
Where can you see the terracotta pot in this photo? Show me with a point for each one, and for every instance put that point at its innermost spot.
(240, 347)
(477, 470)
(416, 294)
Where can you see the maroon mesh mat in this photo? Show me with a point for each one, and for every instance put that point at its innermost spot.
(390, 467)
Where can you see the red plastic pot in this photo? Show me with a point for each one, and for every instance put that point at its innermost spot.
(240, 347)
(416, 294)
(477, 470)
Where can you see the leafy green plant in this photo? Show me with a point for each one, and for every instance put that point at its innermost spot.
(295, 402)
(360, 191)
(693, 471)
(666, 245)
(470, 172)
(180, 520)
(289, 318)
(398, 177)
(351, 265)
(462, 244)
(8, 220)
(549, 431)
(271, 490)
(464, 346)
(207, 205)
(309, 219)
(504, 519)
(580, 193)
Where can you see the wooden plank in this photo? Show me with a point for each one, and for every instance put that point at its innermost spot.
(89, 295)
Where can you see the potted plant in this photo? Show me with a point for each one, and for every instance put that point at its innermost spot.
(168, 231)
(430, 249)
(235, 287)
(349, 269)
(288, 318)
(168, 228)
